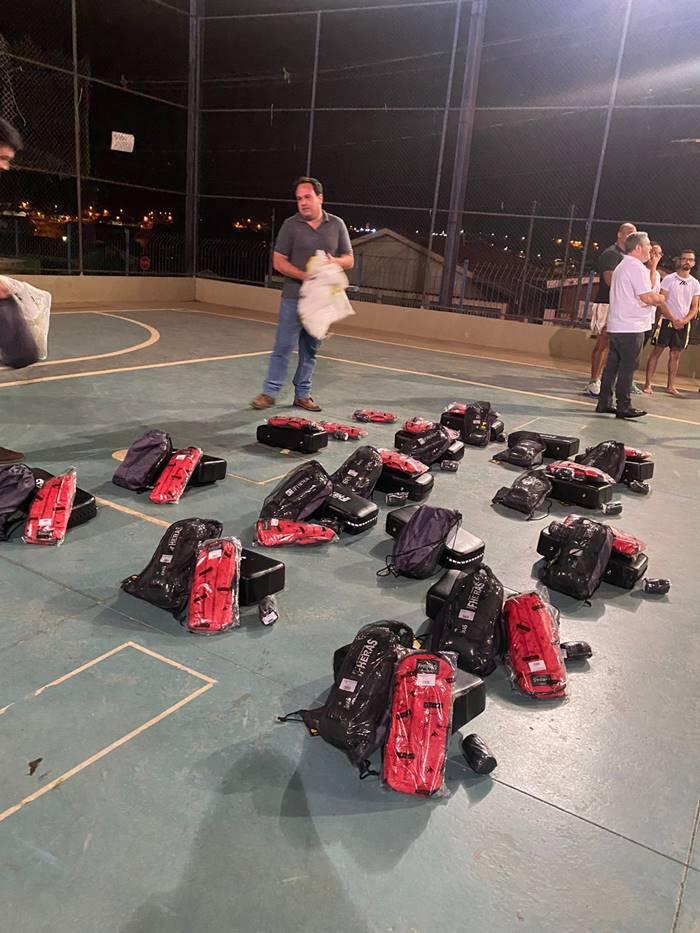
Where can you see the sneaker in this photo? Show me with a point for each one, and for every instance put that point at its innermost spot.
(307, 404)
(593, 389)
(636, 390)
(262, 401)
(630, 413)
(10, 456)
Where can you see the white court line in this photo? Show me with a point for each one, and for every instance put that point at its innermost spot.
(10, 811)
(118, 507)
(209, 682)
(132, 369)
(153, 337)
(489, 385)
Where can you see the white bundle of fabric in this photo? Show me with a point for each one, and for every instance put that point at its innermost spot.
(25, 324)
(322, 298)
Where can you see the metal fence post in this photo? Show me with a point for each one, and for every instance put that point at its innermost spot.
(127, 249)
(528, 246)
(441, 153)
(604, 143)
(76, 134)
(465, 132)
(312, 109)
(565, 267)
(193, 140)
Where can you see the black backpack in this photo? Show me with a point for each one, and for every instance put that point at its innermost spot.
(469, 622)
(144, 461)
(421, 541)
(355, 716)
(608, 456)
(166, 581)
(578, 568)
(526, 494)
(360, 472)
(478, 421)
(299, 494)
(429, 447)
(527, 451)
(17, 488)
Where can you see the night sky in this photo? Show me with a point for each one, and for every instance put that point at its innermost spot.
(545, 81)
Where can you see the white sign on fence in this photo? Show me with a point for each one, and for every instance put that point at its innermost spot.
(122, 142)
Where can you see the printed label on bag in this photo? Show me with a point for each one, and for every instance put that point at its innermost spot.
(537, 666)
(348, 685)
(217, 553)
(466, 614)
(45, 522)
(181, 456)
(427, 666)
(166, 559)
(425, 680)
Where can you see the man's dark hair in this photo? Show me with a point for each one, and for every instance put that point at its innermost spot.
(9, 136)
(688, 250)
(306, 180)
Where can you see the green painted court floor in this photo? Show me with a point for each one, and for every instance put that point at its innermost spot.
(168, 798)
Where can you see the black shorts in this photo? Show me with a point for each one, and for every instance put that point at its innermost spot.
(665, 335)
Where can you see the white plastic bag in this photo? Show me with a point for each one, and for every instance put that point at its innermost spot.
(35, 308)
(322, 299)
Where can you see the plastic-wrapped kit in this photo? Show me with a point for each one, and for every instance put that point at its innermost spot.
(469, 622)
(526, 453)
(533, 656)
(50, 510)
(360, 472)
(166, 580)
(429, 446)
(213, 605)
(578, 568)
(376, 417)
(175, 475)
(280, 532)
(299, 494)
(355, 716)
(608, 456)
(526, 494)
(415, 753)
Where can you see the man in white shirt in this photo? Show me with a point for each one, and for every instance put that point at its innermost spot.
(682, 293)
(631, 297)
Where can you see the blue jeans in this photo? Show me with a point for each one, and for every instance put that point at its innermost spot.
(289, 336)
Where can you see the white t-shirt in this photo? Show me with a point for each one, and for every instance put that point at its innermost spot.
(680, 293)
(628, 315)
(655, 287)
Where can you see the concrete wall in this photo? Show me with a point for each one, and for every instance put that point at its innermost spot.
(464, 332)
(114, 289)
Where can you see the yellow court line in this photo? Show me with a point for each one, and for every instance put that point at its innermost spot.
(153, 337)
(83, 667)
(118, 507)
(488, 385)
(256, 482)
(181, 667)
(108, 654)
(10, 811)
(132, 369)
(392, 343)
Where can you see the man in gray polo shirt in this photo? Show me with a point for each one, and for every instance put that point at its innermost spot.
(300, 236)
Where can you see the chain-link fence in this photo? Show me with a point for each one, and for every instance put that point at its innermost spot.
(584, 116)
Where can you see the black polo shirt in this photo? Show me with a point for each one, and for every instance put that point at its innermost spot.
(298, 242)
(608, 261)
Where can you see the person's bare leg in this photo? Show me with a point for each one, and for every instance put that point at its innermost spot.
(599, 356)
(652, 363)
(674, 360)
